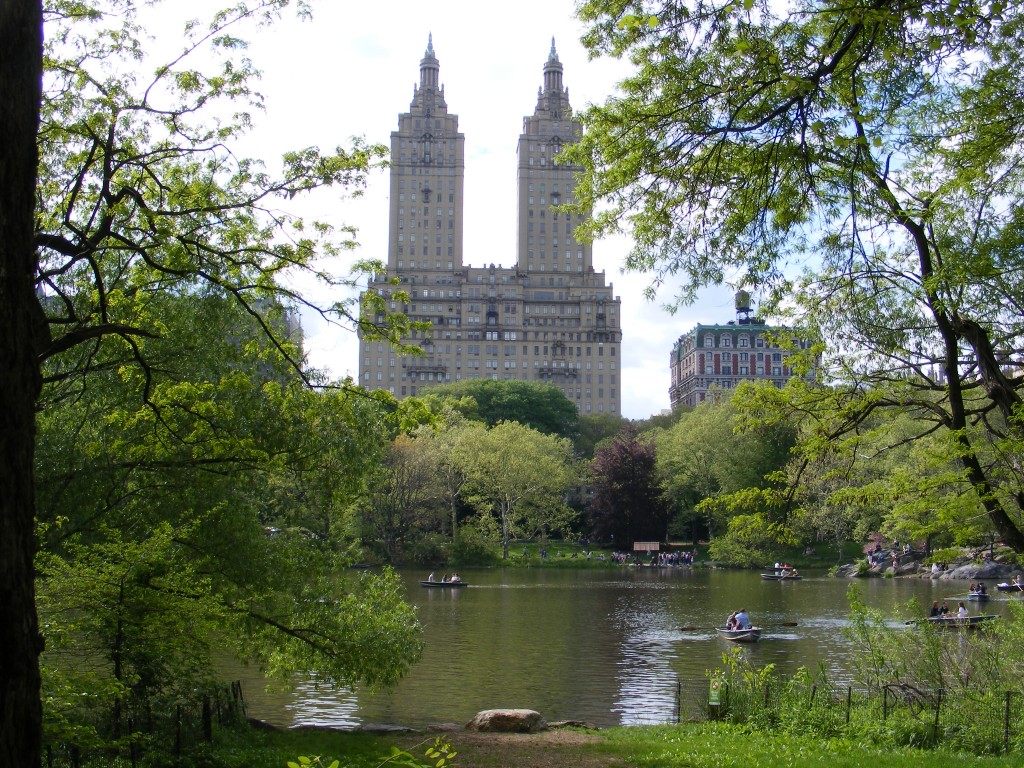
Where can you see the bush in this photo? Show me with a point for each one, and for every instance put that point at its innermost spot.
(433, 549)
(471, 548)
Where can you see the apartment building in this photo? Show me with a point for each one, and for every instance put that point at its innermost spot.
(549, 318)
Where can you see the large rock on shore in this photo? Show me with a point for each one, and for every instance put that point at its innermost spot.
(984, 570)
(507, 721)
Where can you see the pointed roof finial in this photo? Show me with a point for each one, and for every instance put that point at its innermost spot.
(553, 56)
(430, 45)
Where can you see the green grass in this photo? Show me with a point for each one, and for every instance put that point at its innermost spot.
(719, 745)
(690, 745)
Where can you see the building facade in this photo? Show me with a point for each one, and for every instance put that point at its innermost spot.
(718, 357)
(550, 318)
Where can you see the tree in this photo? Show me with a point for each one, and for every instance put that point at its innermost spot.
(594, 428)
(170, 519)
(543, 407)
(444, 443)
(876, 145)
(140, 195)
(711, 465)
(627, 502)
(520, 476)
(22, 337)
(401, 495)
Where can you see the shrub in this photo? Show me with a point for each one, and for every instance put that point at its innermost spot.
(471, 548)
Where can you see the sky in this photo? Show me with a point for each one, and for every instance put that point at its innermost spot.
(350, 72)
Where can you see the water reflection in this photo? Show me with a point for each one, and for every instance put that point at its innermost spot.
(607, 647)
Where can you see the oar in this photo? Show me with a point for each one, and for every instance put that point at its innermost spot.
(708, 629)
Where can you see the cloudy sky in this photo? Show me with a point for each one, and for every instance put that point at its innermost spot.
(351, 70)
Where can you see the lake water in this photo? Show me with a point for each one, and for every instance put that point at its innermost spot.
(603, 646)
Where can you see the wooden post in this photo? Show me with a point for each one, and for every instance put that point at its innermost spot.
(938, 706)
(207, 720)
(177, 730)
(849, 702)
(1006, 722)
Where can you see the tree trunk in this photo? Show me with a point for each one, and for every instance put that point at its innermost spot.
(976, 474)
(21, 334)
(952, 329)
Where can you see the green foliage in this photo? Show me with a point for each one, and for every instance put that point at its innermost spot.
(519, 478)
(749, 541)
(594, 428)
(714, 465)
(312, 762)
(915, 686)
(193, 490)
(877, 151)
(542, 407)
(472, 546)
(947, 555)
(728, 745)
(437, 754)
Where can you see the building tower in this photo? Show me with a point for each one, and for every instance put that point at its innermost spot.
(551, 318)
(427, 156)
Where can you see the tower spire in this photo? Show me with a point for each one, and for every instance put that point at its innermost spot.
(429, 66)
(553, 98)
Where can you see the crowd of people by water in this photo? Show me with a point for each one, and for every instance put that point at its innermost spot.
(657, 559)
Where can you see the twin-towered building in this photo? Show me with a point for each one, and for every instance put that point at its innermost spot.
(550, 318)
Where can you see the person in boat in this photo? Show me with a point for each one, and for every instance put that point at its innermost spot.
(455, 579)
(971, 589)
(742, 620)
(730, 623)
(961, 610)
(943, 609)
(791, 574)
(980, 589)
(935, 611)
(431, 576)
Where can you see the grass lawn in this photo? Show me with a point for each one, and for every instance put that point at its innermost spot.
(708, 745)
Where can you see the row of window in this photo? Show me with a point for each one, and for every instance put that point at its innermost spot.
(509, 350)
(556, 338)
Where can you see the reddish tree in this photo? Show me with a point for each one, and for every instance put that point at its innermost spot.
(627, 504)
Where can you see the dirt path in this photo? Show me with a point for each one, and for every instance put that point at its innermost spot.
(555, 748)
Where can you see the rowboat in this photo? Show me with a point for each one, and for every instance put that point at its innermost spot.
(751, 635)
(443, 584)
(976, 596)
(1010, 587)
(956, 622)
(781, 576)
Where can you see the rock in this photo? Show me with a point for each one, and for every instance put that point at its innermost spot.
(507, 721)
(984, 570)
